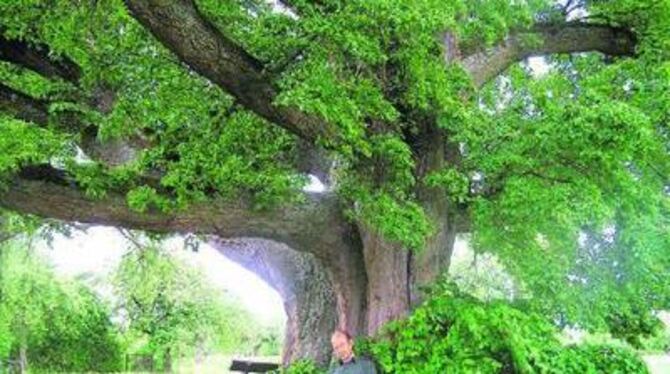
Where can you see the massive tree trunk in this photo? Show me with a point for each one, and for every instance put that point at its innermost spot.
(387, 267)
(434, 152)
(321, 279)
(358, 287)
(395, 274)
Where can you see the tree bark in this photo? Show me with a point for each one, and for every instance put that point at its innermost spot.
(295, 225)
(322, 290)
(545, 40)
(302, 282)
(23, 358)
(387, 268)
(433, 152)
(397, 276)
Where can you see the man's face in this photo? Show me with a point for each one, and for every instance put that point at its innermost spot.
(342, 347)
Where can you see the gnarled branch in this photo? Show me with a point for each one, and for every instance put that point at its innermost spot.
(24, 107)
(549, 39)
(46, 192)
(179, 26)
(37, 58)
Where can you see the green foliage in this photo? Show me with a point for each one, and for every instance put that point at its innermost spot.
(21, 145)
(231, 157)
(657, 343)
(264, 341)
(164, 310)
(60, 326)
(14, 225)
(379, 190)
(376, 70)
(85, 339)
(301, 367)
(401, 221)
(647, 17)
(343, 59)
(593, 359)
(30, 82)
(170, 311)
(204, 144)
(482, 276)
(456, 333)
(632, 326)
(579, 153)
(456, 184)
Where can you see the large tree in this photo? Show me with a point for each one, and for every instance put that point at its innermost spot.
(208, 117)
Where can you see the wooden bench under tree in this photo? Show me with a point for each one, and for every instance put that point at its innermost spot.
(252, 367)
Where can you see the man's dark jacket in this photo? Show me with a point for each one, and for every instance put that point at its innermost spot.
(357, 365)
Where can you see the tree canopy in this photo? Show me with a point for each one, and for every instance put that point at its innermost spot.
(206, 116)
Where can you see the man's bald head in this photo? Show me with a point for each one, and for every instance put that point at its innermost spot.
(343, 345)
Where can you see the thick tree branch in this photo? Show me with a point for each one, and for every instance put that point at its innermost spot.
(37, 58)
(549, 39)
(22, 106)
(179, 26)
(45, 192)
(112, 152)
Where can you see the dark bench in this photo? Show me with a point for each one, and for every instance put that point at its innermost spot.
(252, 367)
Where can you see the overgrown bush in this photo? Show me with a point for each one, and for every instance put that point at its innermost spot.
(634, 326)
(456, 333)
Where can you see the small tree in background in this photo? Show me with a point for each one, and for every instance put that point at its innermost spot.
(171, 312)
(50, 324)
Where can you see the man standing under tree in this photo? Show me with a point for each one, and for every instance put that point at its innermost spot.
(348, 363)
